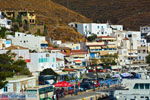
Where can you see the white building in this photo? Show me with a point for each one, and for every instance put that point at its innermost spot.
(18, 84)
(131, 48)
(100, 29)
(142, 51)
(30, 41)
(72, 46)
(4, 22)
(145, 30)
(117, 27)
(21, 52)
(41, 61)
(4, 43)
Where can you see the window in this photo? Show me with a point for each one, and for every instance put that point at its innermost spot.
(136, 86)
(53, 60)
(77, 47)
(102, 32)
(138, 51)
(147, 86)
(97, 26)
(9, 22)
(5, 89)
(141, 86)
(129, 35)
(139, 57)
(142, 96)
(47, 55)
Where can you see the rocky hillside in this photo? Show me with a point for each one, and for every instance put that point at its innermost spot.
(55, 16)
(131, 13)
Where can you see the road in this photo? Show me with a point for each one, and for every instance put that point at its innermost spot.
(89, 93)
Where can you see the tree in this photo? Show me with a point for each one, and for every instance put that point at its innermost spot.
(3, 31)
(9, 68)
(48, 71)
(92, 37)
(148, 59)
(109, 59)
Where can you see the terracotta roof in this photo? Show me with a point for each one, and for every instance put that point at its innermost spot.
(65, 53)
(78, 52)
(125, 39)
(105, 37)
(68, 69)
(58, 59)
(15, 47)
(52, 48)
(60, 48)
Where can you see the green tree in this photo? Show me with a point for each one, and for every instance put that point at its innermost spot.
(48, 71)
(9, 68)
(45, 30)
(92, 37)
(3, 31)
(109, 59)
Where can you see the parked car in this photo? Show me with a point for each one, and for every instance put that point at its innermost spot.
(47, 79)
(85, 86)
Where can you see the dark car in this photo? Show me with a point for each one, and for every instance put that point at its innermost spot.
(47, 79)
(85, 86)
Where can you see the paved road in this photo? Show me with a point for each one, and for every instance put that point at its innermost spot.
(87, 94)
(80, 96)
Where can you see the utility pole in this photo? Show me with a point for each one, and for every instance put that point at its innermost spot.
(130, 55)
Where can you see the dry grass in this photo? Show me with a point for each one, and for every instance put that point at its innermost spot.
(52, 14)
(131, 13)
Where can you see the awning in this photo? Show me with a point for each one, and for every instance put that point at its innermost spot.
(116, 67)
(68, 69)
(103, 52)
(63, 84)
(69, 59)
(77, 61)
(112, 46)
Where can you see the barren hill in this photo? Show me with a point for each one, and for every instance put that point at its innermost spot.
(55, 16)
(131, 13)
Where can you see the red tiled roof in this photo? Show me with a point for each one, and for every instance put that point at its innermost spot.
(68, 69)
(13, 47)
(79, 61)
(52, 48)
(65, 53)
(125, 39)
(105, 37)
(78, 52)
(58, 59)
(60, 48)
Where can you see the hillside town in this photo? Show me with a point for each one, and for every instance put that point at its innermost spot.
(58, 69)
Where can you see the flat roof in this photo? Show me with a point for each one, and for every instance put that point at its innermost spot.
(38, 87)
(19, 78)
